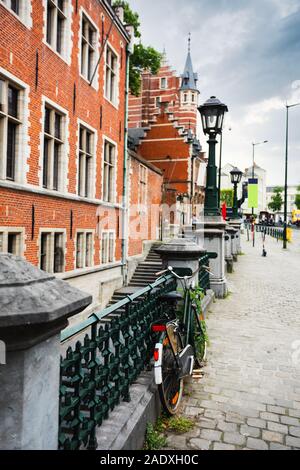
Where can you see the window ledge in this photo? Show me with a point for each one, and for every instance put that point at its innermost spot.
(24, 21)
(63, 58)
(91, 270)
(115, 105)
(94, 84)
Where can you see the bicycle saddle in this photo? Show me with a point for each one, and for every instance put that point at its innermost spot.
(171, 297)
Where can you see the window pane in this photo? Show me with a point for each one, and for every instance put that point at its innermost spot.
(2, 84)
(58, 253)
(81, 132)
(13, 243)
(80, 173)
(59, 33)
(43, 258)
(88, 142)
(14, 5)
(49, 23)
(91, 36)
(1, 243)
(57, 126)
(79, 242)
(60, 4)
(11, 150)
(13, 101)
(45, 163)
(88, 248)
(47, 120)
(104, 247)
(111, 247)
(87, 176)
(56, 165)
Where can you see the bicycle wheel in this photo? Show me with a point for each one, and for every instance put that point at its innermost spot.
(198, 337)
(171, 388)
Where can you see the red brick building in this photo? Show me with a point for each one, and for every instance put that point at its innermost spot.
(163, 124)
(62, 148)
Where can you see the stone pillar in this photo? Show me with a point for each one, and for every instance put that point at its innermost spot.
(237, 223)
(232, 232)
(228, 252)
(181, 253)
(214, 242)
(34, 308)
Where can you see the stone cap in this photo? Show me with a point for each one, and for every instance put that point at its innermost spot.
(30, 296)
(180, 248)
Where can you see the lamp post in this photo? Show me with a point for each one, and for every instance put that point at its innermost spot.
(288, 106)
(212, 115)
(236, 177)
(254, 144)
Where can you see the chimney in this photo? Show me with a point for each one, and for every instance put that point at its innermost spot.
(120, 13)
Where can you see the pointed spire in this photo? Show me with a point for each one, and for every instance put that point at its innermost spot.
(189, 78)
(164, 60)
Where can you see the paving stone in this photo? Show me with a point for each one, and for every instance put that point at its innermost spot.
(294, 413)
(192, 411)
(272, 436)
(207, 423)
(222, 446)
(199, 444)
(292, 441)
(294, 431)
(235, 418)
(230, 427)
(177, 442)
(250, 431)
(210, 435)
(275, 446)
(270, 417)
(214, 414)
(282, 428)
(257, 444)
(276, 409)
(257, 422)
(290, 420)
(234, 438)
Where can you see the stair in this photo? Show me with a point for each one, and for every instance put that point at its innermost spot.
(144, 274)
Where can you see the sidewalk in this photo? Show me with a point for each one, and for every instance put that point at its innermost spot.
(249, 397)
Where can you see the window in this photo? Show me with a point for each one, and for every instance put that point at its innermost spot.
(185, 97)
(108, 247)
(11, 242)
(86, 144)
(53, 149)
(14, 5)
(193, 98)
(52, 252)
(56, 24)
(84, 249)
(88, 48)
(109, 172)
(10, 124)
(111, 75)
(143, 185)
(157, 101)
(163, 83)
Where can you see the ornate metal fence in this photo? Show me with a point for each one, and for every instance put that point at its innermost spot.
(112, 348)
(274, 232)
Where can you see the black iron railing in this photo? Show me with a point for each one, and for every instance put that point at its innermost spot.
(275, 232)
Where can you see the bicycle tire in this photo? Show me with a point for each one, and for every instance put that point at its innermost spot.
(171, 388)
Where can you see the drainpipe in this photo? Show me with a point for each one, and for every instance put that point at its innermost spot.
(125, 179)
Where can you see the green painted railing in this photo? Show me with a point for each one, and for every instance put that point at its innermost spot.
(275, 232)
(109, 350)
(203, 273)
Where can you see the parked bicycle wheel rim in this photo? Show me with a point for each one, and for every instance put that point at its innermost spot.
(197, 338)
(171, 388)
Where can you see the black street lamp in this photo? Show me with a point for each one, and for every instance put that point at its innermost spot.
(212, 116)
(236, 177)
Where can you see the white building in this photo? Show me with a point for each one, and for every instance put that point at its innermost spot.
(291, 196)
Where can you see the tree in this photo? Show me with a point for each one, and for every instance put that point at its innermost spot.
(297, 199)
(276, 200)
(226, 195)
(143, 58)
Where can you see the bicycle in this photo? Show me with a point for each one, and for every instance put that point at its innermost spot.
(182, 341)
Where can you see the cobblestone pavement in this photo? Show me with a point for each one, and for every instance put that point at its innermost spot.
(249, 396)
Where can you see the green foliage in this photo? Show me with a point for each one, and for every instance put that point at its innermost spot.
(143, 58)
(154, 439)
(180, 424)
(276, 200)
(226, 195)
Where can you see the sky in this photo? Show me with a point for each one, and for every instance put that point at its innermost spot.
(247, 53)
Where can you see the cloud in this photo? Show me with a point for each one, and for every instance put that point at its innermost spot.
(259, 113)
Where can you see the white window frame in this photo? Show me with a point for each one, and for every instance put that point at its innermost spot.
(157, 101)
(21, 144)
(25, 11)
(93, 132)
(50, 248)
(95, 83)
(161, 83)
(66, 43)
(110, 236)
(63, 178)
(83, 251)
(5, 232)
(113, 185)
(114, 100)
